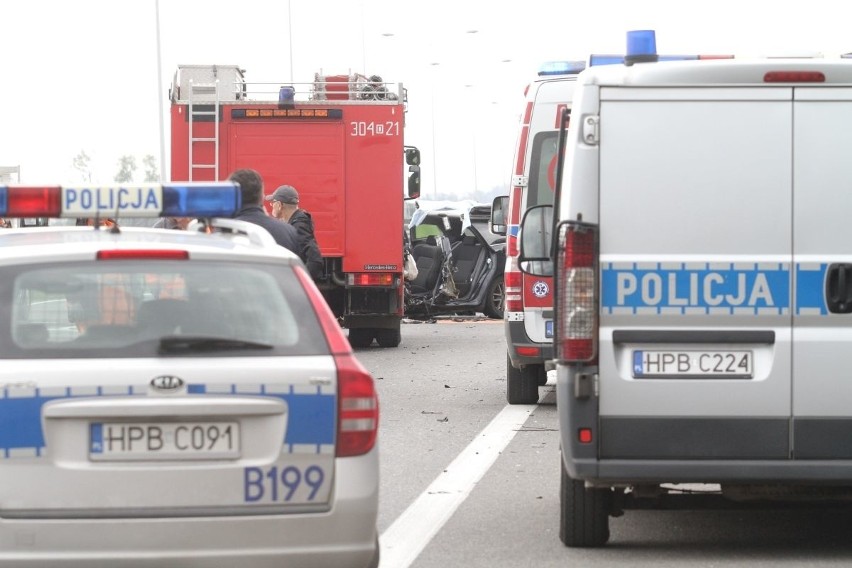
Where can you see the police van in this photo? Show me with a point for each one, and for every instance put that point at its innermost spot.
(174, 398)
(703, 274)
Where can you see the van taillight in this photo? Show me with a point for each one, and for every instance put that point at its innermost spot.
(357, 408)
(513, 280)
(577, 293)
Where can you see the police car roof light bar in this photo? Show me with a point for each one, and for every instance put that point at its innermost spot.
(212, 199)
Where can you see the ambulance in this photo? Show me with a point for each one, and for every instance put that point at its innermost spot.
(528, 311)
(703, 275)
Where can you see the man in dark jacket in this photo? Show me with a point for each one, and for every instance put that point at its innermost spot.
(285, 206)
(251, 187)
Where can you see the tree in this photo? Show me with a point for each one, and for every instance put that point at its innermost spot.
(81, 164)
(127, 167)
(152, 172)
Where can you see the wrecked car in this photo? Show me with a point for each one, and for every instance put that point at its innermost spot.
(459, 269)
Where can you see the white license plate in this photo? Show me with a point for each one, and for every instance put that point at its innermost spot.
(711, 364)
(139, 441)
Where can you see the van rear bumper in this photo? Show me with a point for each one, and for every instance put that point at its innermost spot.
(631, 472)
(516, 336)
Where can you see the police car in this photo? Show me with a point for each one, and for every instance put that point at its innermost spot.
(174, 397)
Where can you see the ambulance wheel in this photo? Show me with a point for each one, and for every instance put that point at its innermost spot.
(389, 337)
(583, 513)
(361, 336)
(521, 384)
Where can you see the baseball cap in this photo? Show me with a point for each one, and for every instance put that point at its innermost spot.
(284, 194)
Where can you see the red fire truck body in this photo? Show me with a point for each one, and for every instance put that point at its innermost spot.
(339, 142)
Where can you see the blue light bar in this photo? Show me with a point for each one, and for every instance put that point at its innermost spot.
(561, 68)
(201, 200)
(605, 59)
(213, 199)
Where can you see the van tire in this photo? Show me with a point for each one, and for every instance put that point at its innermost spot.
(521, 384)
(583, 513)
(361, 336)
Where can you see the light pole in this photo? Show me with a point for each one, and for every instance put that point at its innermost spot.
(434, 146)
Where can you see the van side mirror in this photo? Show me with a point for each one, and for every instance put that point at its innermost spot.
(499, 210)
(535, 240)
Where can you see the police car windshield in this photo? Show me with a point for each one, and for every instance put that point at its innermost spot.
(124, 308)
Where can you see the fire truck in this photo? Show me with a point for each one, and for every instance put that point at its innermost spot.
(339, 141)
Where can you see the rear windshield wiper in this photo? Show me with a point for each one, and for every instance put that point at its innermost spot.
(176, 343)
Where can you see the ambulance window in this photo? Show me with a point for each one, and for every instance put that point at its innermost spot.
(542, 169)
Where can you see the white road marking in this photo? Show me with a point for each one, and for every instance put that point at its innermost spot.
(405, 539)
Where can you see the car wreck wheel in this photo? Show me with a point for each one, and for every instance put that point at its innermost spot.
(495, 299)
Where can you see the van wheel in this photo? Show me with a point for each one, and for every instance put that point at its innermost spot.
(388, 337)
(361, 336)
(495, 299)
(583, 513)
(521, 384)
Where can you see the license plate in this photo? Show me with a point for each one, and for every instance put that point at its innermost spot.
(140, 441)
(548, 328)
(711, 364)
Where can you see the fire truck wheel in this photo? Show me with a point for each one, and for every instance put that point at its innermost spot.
(521, 384)
(583, 513)
(361, 337)
(388, 337)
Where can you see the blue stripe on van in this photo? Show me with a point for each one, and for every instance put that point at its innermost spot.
(311, 420)
(810, 289)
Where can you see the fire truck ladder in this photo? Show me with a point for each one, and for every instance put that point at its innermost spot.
(197, 93)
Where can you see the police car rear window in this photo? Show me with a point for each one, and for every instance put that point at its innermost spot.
(147, 308)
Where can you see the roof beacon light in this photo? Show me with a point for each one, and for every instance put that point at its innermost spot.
(213, 199)
(561, 68)
(641, 47)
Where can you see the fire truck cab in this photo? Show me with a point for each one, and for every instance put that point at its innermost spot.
(339, 141)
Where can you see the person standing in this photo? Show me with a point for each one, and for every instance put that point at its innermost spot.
(251, 187)
(285, 206)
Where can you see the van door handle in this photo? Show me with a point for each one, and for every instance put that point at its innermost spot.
(838, 288)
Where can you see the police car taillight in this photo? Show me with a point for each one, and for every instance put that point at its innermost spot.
(358, 408)
(358, 404)
(577, 293)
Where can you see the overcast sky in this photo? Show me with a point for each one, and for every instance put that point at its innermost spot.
(82, 74)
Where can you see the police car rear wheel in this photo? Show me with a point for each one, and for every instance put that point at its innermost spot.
(583, 513)
(521, 384)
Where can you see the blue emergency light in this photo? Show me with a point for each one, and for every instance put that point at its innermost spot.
(561, 68)
(190, 199)
(641, 47)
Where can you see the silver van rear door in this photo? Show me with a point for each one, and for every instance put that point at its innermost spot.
(695, 242)
(822, 248)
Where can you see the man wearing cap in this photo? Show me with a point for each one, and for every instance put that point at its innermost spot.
(285, 206)
(251, 188)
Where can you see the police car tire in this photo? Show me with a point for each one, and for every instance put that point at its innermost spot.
(521, 384)
(388, 337)
(361, 337)
(583, 513)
